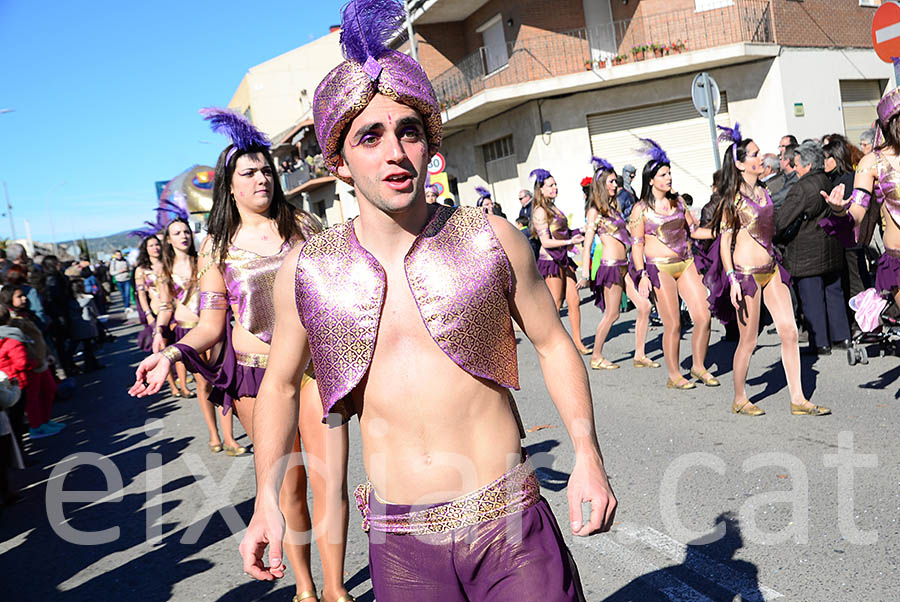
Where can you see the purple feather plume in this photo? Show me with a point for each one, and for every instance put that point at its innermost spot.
(483, 192)
(149, 229)
(243, 134)
(730, 135)
(655, 152)
(539, 176)
(601, 165)
(367, 25)
(168, 207)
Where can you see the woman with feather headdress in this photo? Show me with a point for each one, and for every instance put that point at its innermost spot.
(612, 277)
(747, 271)
(486, 202)
(661, 228)
(551, 227)
(252, 228)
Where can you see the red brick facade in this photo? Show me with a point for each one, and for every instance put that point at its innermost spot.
(823, 23)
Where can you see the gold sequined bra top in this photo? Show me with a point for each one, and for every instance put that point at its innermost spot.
(671, 230)
(250, 282)
(558, 228)
(460, 278)
(180, 288)
(757, 217)
(613, 224)
(887, 186)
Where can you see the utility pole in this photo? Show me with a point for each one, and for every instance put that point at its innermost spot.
(12, 224)
(413, 45)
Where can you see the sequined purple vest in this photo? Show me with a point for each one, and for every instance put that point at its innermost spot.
(461, 280)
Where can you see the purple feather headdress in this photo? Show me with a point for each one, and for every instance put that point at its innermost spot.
(166, 213)
(731, 135)
(655, 152)
(483, 193)
(601, 165)
(539, 176)
(244, 135)
(367, 26)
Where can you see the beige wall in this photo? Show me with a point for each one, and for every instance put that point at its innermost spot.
(274, 90)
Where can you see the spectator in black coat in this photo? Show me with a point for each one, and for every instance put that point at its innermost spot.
(55, 296)
(812, 258)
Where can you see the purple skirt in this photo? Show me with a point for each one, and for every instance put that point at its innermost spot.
(557, 265)
(607, 276)
(229, 379)
(841, 227)
(145, 339)
(887, 274)
(652, 273)
(719, 285)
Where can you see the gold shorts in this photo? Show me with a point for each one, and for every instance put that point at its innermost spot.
(672, 266)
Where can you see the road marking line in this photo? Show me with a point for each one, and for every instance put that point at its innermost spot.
(733, 580)
(887, 33)
(650, 574)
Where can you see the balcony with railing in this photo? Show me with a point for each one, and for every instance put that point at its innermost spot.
(545, 56)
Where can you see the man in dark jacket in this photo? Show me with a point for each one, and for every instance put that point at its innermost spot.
(814, 259)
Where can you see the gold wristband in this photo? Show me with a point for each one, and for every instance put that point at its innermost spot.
(172, 353)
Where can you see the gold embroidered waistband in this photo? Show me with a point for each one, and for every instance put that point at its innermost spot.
(614, 262)
(252, 360)
(514, 492)
(668, 260)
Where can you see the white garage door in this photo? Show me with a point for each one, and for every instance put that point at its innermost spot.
(677, 127)
(859, 98)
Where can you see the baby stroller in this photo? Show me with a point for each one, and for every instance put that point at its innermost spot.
(878, 325)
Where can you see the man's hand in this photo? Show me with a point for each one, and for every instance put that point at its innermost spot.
(266, 529)
(150, 375)
(589, 483)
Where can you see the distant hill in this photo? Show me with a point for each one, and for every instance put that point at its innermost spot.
(106, 244)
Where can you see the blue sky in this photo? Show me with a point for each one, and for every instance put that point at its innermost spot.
(105, 98)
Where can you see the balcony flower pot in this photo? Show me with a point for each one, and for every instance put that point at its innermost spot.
(588, 65)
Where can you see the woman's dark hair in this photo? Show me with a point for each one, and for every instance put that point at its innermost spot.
(837, 149)
(16, 274)
(4, 314)
(729, 185)
(7, 293)
(599, 197)
(890, 133)
(650, 170)
(143, 260)
(224, 218)
(168, 258)
(76, 285)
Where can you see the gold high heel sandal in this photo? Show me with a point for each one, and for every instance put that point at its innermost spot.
(344, 598)
(646, 362)
(585, 350)
(682, 384)
(603, 364)
(215, 447)
(706, 378)
(306, 595)
(747, 409)
(809, 411)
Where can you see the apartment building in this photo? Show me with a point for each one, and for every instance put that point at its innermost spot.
(548, 83)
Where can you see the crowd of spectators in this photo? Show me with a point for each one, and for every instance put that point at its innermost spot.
(50, 326)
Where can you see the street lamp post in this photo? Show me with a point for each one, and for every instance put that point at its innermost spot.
(12, 225)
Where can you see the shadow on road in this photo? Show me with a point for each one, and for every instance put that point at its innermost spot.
(709, 572)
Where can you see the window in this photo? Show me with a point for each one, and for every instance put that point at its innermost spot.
(495, 54)
(870, 2)
(701, 5)
(498, 149)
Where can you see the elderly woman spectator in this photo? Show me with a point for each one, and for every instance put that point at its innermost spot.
(813, 258)
(867, 141)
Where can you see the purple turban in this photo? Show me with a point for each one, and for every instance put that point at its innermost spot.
(371, 68)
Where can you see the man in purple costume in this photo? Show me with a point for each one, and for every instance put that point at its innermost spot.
(406, 313)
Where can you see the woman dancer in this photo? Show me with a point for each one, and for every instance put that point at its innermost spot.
(604, 218)
(551, 227)
(879, 173)
(251, 229)
(745, 218)
(660, 227)
(146, 275)
(180, 300)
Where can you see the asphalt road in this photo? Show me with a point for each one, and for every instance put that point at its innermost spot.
(712, 506)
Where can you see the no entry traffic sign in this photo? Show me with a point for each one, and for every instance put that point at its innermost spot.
(886, 31)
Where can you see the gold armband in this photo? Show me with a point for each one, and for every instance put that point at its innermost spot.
(213, 300)
(172, 353)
